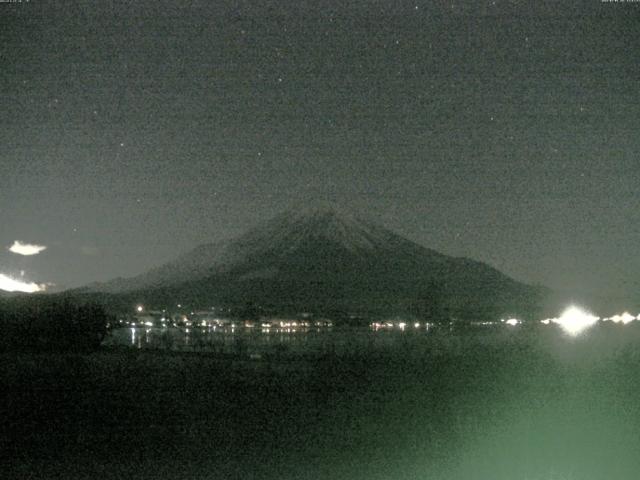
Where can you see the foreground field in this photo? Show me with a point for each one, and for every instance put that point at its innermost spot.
(527, 405)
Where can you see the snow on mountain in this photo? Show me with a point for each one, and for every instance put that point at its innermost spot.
(290, 230)
(275, 239)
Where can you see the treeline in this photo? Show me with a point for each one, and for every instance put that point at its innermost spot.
(47, 323)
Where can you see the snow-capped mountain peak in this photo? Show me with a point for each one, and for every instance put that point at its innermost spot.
(290, 229)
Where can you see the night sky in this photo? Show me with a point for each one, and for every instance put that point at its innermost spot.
(507, 132)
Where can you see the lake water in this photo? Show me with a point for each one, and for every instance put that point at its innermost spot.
(494, 403)
(590, 347)
(315, 341)
(259, 341)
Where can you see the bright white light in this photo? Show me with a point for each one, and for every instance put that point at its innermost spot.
(625, 318)
(574, 320)
(26, 248)
(546, 321)
(512, 321)
(9, 284)
(139, 308)
(149, 324)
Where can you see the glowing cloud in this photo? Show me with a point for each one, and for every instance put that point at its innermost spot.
(9, 284)
(26, 248)
(574, 320)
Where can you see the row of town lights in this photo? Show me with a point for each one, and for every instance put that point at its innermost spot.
(573, 320)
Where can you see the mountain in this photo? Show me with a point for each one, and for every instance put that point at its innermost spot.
(323, 259)
(275, 246)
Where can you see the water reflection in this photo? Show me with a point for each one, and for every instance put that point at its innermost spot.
(277, 341)
(233, 340)
(412, 338)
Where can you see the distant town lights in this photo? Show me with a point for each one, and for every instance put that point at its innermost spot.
(625, 318)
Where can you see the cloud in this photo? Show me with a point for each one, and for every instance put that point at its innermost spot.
(26, 248)
(9, 284)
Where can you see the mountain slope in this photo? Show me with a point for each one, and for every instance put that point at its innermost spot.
(283, 239)
(323, 259)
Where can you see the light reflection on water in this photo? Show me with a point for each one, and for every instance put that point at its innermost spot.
(314, 341)
(285, 340)
(231, 340)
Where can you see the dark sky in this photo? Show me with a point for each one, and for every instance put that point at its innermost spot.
(505, 131)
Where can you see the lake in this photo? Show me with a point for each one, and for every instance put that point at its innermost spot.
(482, 404)
(311, 341)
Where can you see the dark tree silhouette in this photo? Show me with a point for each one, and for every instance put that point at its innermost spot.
(52, 324)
